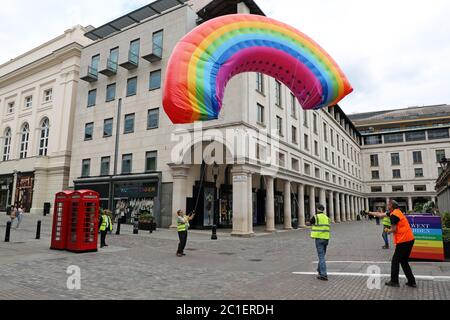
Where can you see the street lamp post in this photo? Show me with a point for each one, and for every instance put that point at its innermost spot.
(215, 169)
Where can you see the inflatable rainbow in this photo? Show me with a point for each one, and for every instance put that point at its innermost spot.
(210, 55)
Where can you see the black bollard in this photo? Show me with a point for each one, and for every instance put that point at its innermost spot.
(8, 231)
(151, 227)
(38, 230)
(118, 227)
(136, 227)
(214, 233)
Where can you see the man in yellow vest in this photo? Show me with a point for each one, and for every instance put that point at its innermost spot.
(182, 228)
(320, 231)
(105, 226)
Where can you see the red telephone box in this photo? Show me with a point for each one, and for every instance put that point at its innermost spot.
(61, 220)
(83, 221)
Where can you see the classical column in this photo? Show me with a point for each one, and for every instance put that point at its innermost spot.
(410, 204)
(347, 207)
(367, 204)
(179, 195)
(337, 207)
(331, 206)
(301, 206)
(270, 205)
(323, 198)
(343, 208)
(353, 208)
(312, 200)
(287, 206)
(242, 202)
(13, 196)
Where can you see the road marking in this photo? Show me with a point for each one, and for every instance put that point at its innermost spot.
(384, 262)
(350, 274)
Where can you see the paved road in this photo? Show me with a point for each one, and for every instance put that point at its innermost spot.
(268, 266)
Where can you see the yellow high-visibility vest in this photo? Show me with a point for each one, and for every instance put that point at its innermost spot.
(105, 220)
(321, 229)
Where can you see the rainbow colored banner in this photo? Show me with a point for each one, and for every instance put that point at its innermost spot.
(429, 244)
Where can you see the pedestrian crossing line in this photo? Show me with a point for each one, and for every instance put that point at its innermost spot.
(373, 275)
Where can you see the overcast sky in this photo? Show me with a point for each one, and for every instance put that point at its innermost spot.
(396, 53)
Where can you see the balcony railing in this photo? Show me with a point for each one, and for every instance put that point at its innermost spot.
(133, 61)
(111, 68)
(92, 75)
(156, 55)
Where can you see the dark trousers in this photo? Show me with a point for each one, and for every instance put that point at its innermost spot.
(183, 240)
(401, 257)
(103, 238)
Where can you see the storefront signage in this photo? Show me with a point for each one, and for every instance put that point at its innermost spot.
(136, 190)
(240, 179)
(428, 233)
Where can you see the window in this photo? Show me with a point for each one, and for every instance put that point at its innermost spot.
(86, 168)
(281, 159)
(293, 106)
(327, 176)
(134, 50)
(340, 181)
(127, 161)
(24, 139)
(333, 159)
(440, 154)
(418, 172)
(325, 132)
(129, 123)
(396, 174)
(420, 188)
(131, 86)
(334, 179)
(157, 45)
(417, 157)
(316, 148)
(89, 131)
(332, 137)
(153, 119)
(415, 136)
(395, 159)
(374, 160)
(397, 188)
(306, 142)
(438, 134)
(105, 166)
(260, 82)
(151, 161)
(280, 126)
(278, 93)
(10, 108)
(29, 102)
(43, 140)
(48, 95)
(317, 173)
(294, 134)
(393, 138)
(92, 97)
(108, 128)
(155, 80)
(315, 123)
(111, 92)
(305, 118)
(307, 169)
(114, 57)
(376, 189)
(295, 165)
(337, 143)
(94, 63)
(375, 175)
(260, 113)
(7, 144)
(339, 162)
(326, 154)
(371, 140)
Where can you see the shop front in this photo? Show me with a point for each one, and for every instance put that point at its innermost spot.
(24, 190)
(6, 191)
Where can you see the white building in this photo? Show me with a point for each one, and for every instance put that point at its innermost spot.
(122, 142)
(401, 153)
(37, 102)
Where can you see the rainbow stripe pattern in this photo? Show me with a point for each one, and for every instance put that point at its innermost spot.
(427, 231)
(205, 60)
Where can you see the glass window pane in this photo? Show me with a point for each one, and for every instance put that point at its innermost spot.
(153, 119)
(88, 131)
(111, 92)
(415, 136)
(150, 164)
(92, 97)
(438, 134)
(158, 43)
(131, 86)
(129, 123)
(108, 128)
(155, 80)
(126, 163)
(393, 138)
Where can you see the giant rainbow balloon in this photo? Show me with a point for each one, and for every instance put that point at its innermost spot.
(205, 60)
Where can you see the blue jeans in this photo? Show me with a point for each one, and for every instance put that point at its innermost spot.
(385, 238)
(321, 246)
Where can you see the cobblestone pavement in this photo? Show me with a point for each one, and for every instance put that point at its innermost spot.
(144, 266)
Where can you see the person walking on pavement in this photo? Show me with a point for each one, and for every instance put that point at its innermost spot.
(182, 228)
(320, 231)
(105, 226)
(20, 213)
(404, 241)
(13, 214)
(386, 225)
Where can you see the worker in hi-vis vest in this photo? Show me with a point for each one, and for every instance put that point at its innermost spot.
(404, 243)
(105, 226)
(182, 228)
(320, 231)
